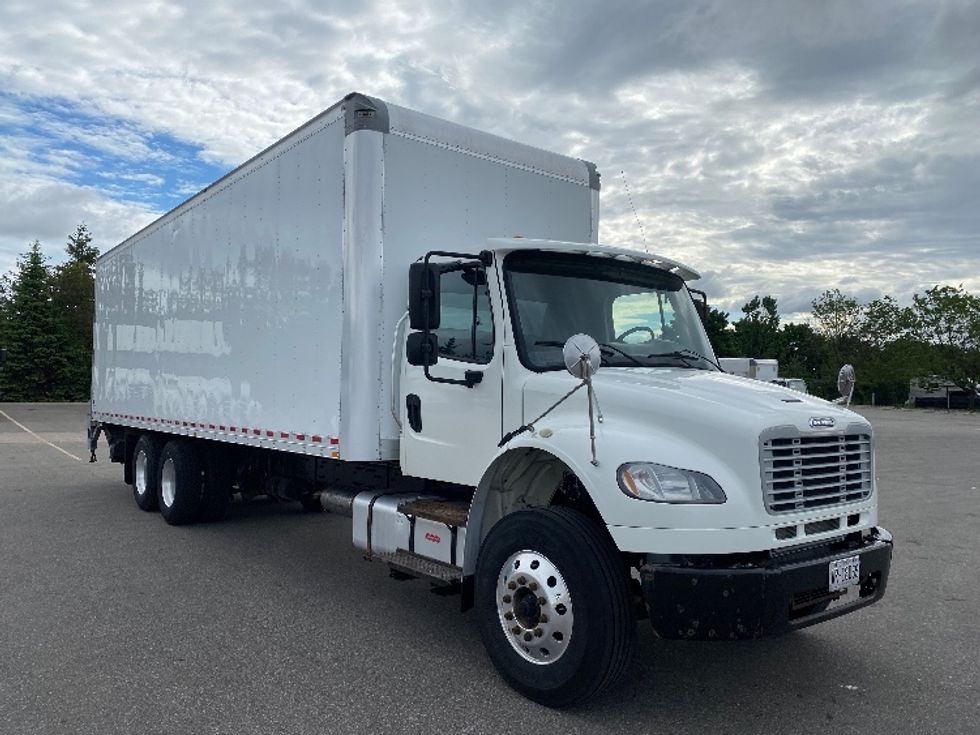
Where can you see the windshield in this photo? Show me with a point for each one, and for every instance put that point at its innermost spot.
(641, 316)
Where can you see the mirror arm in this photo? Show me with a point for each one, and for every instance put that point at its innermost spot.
(485, 259)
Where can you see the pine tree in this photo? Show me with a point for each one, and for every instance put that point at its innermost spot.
(74, 299)
(35, 352)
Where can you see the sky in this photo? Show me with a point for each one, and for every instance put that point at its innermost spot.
(783, 147)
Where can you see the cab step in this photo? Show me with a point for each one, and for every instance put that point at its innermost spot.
(407, 563)
(450, 512)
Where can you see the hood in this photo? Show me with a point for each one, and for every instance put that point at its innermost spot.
(715, 397)
(660, 412)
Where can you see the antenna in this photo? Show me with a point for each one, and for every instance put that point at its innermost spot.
(635, 215)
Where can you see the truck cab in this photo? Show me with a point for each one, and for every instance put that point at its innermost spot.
(732, 508)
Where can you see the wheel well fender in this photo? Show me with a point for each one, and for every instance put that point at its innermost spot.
(522, 477)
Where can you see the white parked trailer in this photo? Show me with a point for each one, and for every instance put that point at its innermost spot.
(347, 320)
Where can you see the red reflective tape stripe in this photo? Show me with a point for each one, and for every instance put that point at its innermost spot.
(301, 437)
(334, 440)
(257, 432)
(316, 438)
(283, 435)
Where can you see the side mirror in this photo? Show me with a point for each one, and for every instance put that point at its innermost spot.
(423, 296)
(422, 349)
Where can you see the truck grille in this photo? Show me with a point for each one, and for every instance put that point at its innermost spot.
(804, 472)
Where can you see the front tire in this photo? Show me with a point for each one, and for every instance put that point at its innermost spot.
(180, 486)
(553, 604)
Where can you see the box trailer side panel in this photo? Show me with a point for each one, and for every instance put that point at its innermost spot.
(224, 317)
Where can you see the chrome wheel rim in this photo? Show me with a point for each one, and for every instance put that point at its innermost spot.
(142, 461)
(534, 607)
(168, 482)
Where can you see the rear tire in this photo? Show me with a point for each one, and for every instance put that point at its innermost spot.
(181, 482)
(578, 641)
(146, 472)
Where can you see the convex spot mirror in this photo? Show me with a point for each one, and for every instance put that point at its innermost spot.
(582, 356)
(845, 381)
(422, 349)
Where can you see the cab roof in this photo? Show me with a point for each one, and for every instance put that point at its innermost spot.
(598, 251)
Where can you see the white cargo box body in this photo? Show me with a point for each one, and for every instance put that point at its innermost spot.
(262, 310)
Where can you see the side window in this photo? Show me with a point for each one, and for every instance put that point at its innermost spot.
(459, 337)
(642, 317)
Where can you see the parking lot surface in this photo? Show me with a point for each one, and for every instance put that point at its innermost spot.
(270, 621)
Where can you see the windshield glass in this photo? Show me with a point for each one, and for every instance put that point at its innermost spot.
(641, 316)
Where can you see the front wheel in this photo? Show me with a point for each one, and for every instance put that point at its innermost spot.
(553, 603)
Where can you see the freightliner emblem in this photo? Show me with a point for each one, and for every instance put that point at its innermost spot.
(822, 422)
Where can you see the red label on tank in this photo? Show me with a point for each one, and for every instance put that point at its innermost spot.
(433, 538)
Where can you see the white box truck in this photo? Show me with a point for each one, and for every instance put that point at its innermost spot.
(538, 422)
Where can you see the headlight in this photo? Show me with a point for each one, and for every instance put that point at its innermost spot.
(649, 481)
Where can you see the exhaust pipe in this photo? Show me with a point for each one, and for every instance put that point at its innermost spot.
(339, 502)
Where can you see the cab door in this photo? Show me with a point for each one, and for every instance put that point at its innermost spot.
(449, 430)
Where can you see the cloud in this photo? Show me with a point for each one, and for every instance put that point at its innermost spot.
(37, 208)
(779, 148)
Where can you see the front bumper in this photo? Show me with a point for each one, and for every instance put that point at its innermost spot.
(747, 596)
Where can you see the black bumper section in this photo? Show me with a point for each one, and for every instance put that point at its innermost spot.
(698, 600)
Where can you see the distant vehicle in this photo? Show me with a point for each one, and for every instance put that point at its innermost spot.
(937, 392)
(765, 370)
(334, 323)
(797, 384)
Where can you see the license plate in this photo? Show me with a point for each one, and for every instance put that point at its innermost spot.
(845, 572)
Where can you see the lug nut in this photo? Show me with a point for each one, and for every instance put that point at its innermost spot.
(507, 599)
(512, 585)
(543, 619)
(522, 580)
(516, 630)
(542, 601)
(538, 632)
(533, 586)
(528, 636)
(508, 615)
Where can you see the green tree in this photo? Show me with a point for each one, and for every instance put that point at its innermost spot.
(35, 359)
(720, 333)
(948, 318)
(800, 352)
(74, 299)
(839, 320)
(757, 332)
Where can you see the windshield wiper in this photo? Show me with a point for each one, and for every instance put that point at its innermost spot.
(685, 353)
(602, 346)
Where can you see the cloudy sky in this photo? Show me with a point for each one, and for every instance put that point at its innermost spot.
(780, 147)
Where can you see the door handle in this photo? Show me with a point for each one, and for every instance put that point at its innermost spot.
(414, 406)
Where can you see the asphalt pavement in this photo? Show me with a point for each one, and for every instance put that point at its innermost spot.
(271, 622)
